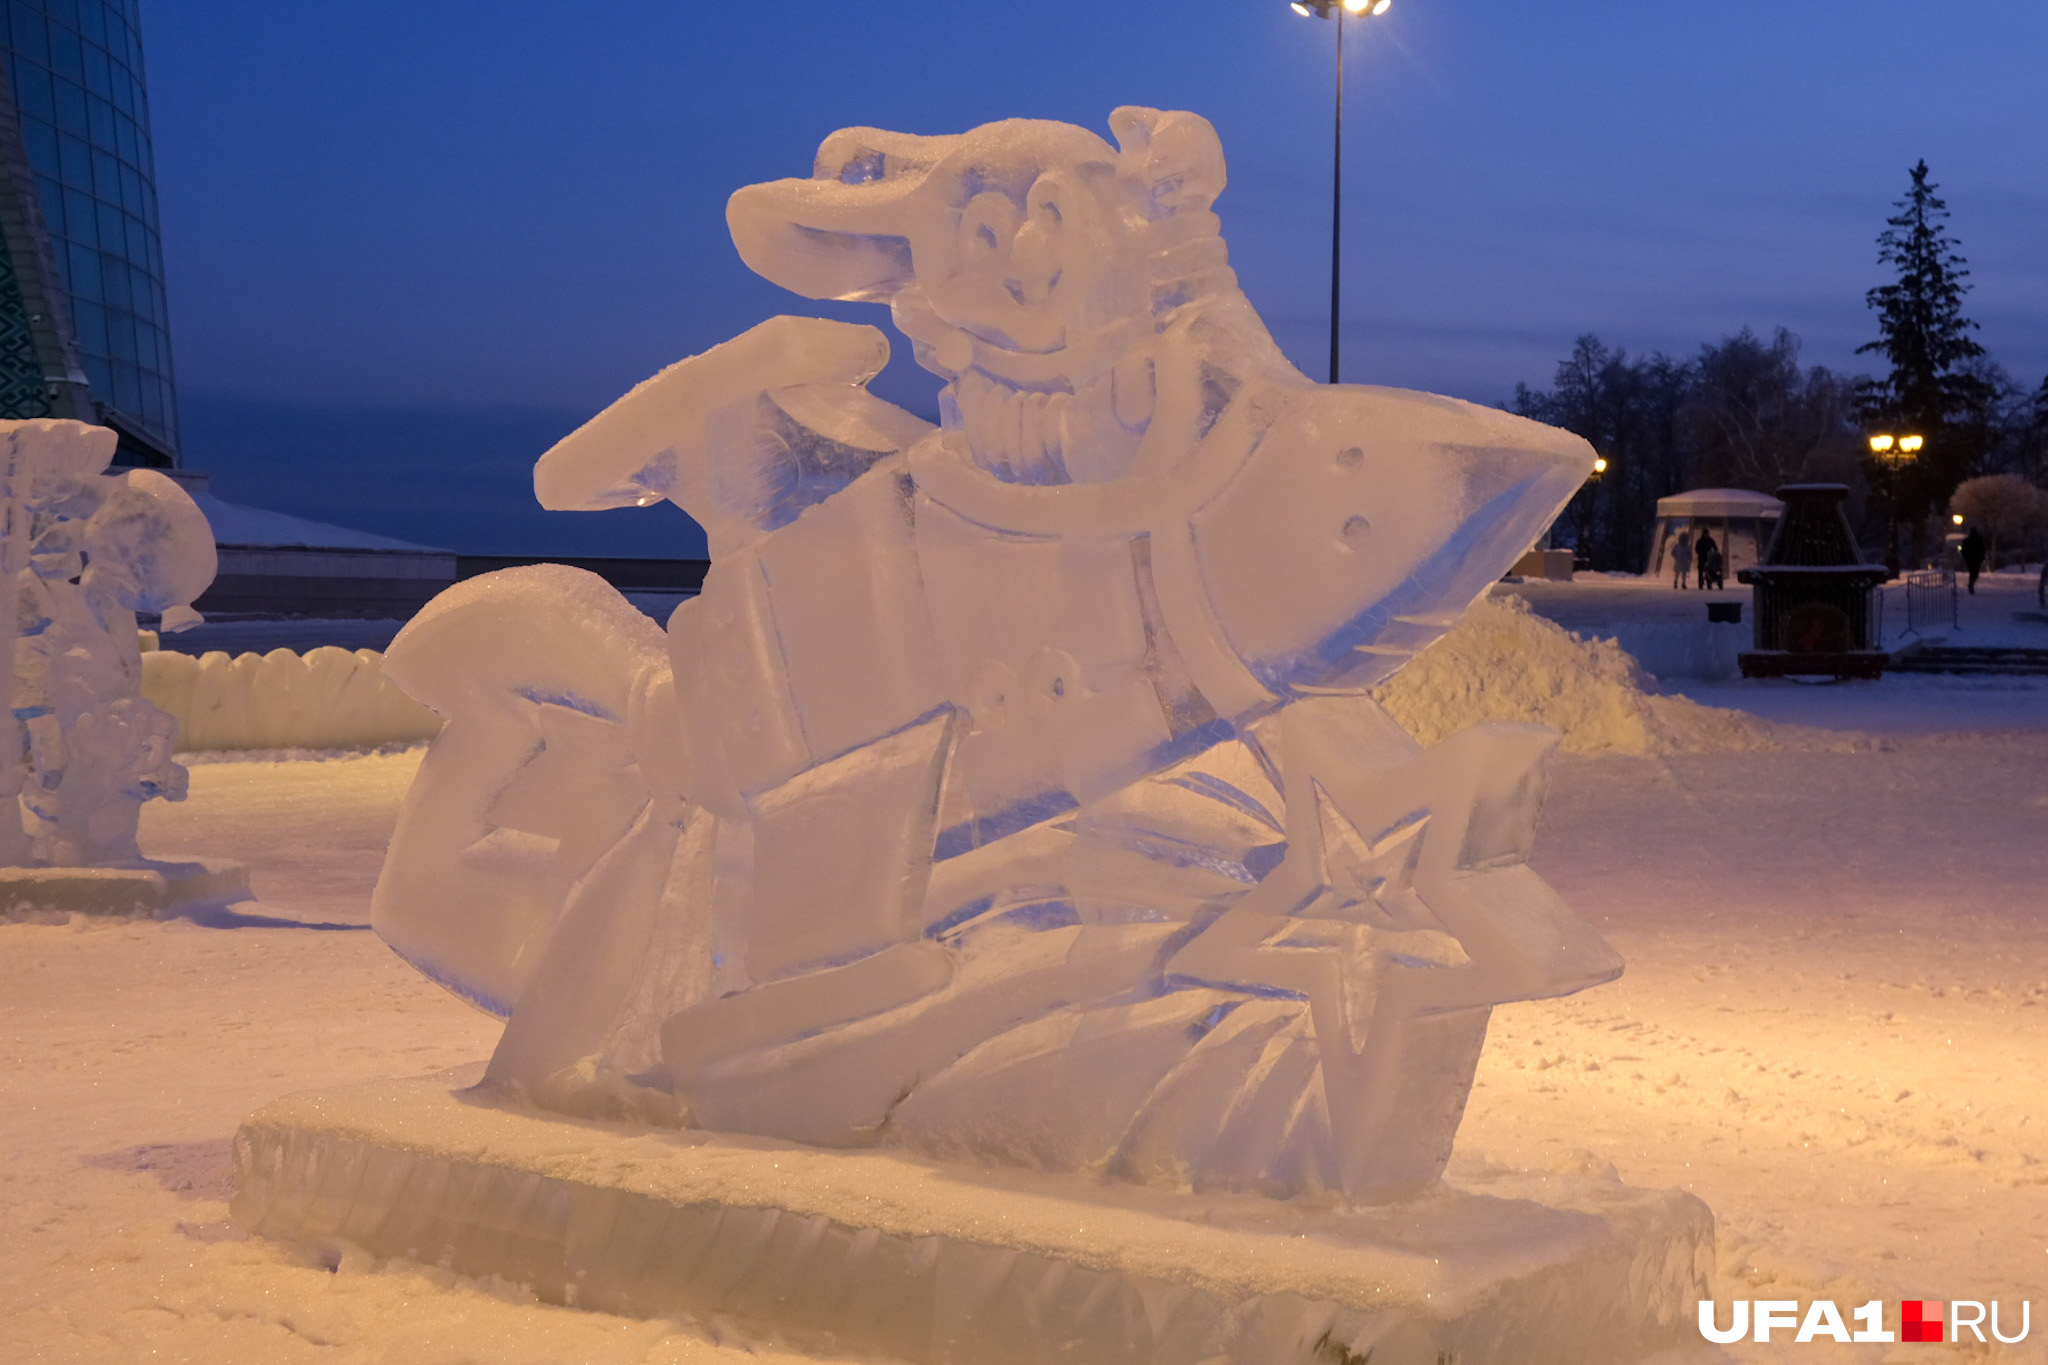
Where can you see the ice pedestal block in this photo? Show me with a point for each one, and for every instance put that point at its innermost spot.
(878, 1253)
(150, 888)
(1011, 793)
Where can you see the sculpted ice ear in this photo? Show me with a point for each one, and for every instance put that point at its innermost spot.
(1176, 157)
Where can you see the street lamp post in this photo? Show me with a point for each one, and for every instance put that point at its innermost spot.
(1585, 511)
(1894, 453)
(1323, 9)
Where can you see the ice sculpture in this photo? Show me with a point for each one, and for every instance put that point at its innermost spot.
(83, 551)
(1010, 792)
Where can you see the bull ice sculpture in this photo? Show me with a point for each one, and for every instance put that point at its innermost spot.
(1011, 791)
(82, 550)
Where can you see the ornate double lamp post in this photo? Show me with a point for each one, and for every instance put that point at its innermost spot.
(1323, 9)
(1894, 453)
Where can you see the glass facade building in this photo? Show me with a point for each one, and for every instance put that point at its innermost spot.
(83, 328)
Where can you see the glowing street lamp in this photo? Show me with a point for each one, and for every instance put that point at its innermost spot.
(1582, 510)
(1323, 9)
(1894, 453)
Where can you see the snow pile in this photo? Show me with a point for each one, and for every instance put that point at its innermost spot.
(327, 698)
(1504, 662)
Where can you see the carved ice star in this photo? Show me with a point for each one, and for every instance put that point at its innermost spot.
(1434, 913)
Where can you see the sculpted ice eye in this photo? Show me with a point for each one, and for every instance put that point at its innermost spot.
(1011, 791)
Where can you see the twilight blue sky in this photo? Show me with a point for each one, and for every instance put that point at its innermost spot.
(410, 244)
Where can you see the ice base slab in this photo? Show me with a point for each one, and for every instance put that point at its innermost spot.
(154, 888)
(874, 1252)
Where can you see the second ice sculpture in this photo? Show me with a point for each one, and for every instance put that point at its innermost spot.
(1011, 792)
(82, 550)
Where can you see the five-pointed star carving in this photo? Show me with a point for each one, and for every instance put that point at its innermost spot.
(1394, 903)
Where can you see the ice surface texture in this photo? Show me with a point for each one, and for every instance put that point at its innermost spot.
(1010, 792)
(883, 1255)
(83, 551)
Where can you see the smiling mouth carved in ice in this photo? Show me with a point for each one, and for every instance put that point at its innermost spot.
(1009, 792)
(1016, 433)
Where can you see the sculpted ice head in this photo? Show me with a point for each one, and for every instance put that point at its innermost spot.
(1020, 238)
(1026, 260)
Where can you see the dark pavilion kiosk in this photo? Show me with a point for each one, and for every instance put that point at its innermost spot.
(1815, 597)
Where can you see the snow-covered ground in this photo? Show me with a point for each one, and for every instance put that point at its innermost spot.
(1831, 1028)
(132, 1051)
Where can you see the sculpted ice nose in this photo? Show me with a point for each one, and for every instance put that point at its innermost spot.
(1010, 791)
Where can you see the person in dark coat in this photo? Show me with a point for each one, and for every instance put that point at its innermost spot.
(1706, 562)
(1973, 555)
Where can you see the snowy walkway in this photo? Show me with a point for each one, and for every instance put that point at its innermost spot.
(1834, 1019)
(1832, 1028)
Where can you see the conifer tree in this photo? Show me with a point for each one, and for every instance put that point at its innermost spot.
(1931, 389)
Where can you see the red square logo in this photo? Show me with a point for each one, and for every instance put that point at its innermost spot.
(1920, 1320)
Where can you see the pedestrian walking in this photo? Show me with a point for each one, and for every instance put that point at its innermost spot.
(1681, 560)
(1706, 559)
(1973, 555)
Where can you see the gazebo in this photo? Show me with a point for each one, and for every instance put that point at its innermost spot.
(1742, 522)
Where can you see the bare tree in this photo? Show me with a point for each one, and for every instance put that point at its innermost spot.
(1757, 420)
(1628, 410)
(2005, 507)
(2017, 442)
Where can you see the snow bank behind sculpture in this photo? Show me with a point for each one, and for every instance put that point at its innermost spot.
(1503, 662)
(327, 698)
